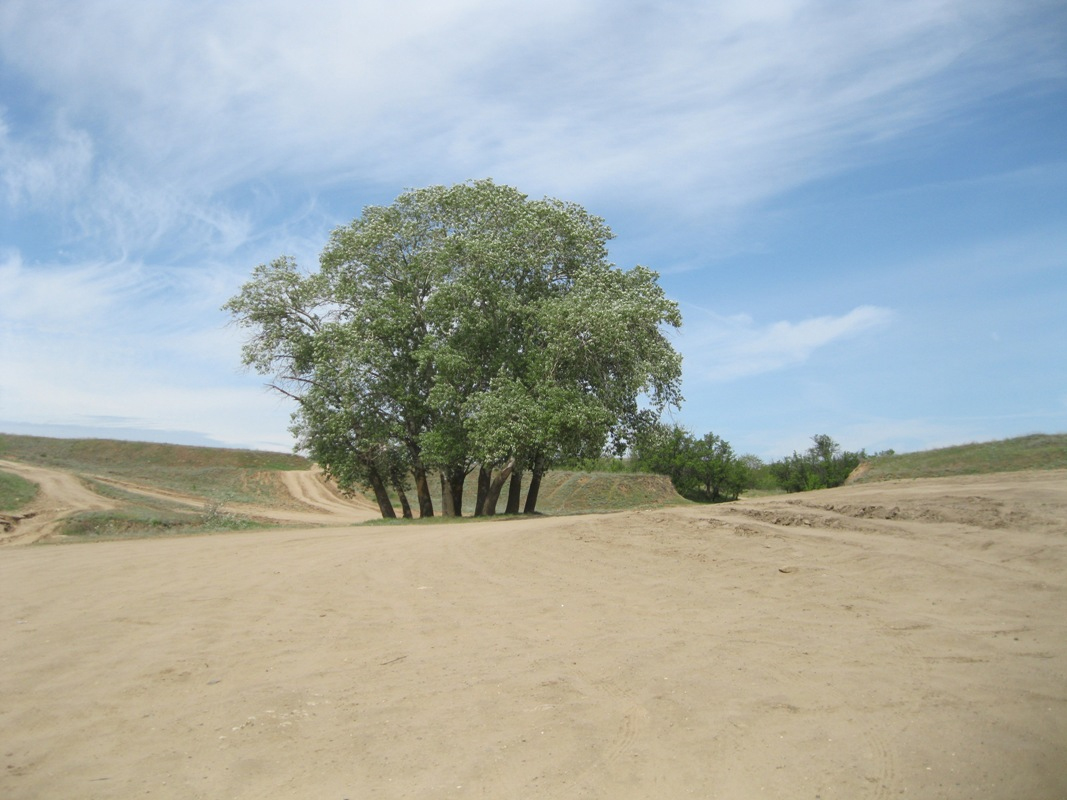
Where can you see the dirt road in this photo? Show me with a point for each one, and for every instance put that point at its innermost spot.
(885, 641)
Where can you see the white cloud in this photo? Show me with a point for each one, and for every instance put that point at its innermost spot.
(174, 144)
(33, 173)
(144, 345)
(728, 103)
(720, 349)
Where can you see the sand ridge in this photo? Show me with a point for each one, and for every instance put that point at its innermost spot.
(873, 641)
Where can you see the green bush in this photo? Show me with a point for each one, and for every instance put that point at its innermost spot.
(822, 466)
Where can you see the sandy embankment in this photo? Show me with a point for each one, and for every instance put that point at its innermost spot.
(909, 641)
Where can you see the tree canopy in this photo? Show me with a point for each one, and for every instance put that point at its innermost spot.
(463, 327)
(705, 469)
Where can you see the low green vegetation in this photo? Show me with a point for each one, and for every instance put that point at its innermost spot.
(1038, 451)
(602, 484)
(217, 474)
(704, 469)
(824, 465)
(140, 517)
(138, 522)
(585, 489)
(15, 491)
(578, 492)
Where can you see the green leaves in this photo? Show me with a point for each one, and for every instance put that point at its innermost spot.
(463, 324)
(821, 466)
(704, 469)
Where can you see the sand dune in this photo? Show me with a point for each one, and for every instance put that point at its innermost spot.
(890, 640)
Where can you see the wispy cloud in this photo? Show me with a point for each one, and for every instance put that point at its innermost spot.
(152, 153)
(719, 349)
(726, 103)
(34, 173)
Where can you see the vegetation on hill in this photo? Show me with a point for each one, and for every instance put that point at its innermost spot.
(704, 469)
(218, 475)
(1038, 451)
(567, 491)
(594, 485)
(15, 492)
(226, 476)
(140, 516)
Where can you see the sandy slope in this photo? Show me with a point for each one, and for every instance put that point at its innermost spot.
(894, 640)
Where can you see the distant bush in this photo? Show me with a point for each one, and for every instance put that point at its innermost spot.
(705, 469)
(822, 466)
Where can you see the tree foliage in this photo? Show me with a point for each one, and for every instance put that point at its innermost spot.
(461, 327)
(704, 469)
(822, 466)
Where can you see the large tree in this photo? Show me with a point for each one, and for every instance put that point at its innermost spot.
(461, 327)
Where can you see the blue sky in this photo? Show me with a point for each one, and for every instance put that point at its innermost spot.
(861, 207)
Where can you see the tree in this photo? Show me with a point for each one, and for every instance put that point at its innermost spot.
(462, 327)
(704, 469)
(822, 466)
(715, 468)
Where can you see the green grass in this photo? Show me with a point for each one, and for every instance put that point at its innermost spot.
(218, 474)
(140, 517)
(221, 475)
(15, 491)
(580, 492)
(141, 522)
(1038, 451)
(567, 492)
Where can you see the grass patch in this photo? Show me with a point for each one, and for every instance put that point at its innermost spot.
(1039, 451)
(137, 522)
(82, 454)
(438, 519)
(218, 474)
(582, 492)
(566, 492)
(141, 517)
(15, 491)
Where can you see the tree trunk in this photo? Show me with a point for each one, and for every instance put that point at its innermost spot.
(405, 506)
(422, 489)
(535, 486)
(385, 505)
(448, 508)
(418, 470)
(484, 480)
(514, 493)
(493, 495)
(456, 480)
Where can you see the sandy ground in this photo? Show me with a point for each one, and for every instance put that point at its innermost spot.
(883, 641)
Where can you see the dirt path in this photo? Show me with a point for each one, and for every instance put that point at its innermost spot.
(872, 642)
(309, 488)
(61, 493)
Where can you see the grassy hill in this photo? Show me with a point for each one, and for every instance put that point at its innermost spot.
(245, 476)
(1038, 451)
(216, 474)
(567, 492)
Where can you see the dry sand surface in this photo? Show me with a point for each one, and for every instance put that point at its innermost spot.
(877, 641)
